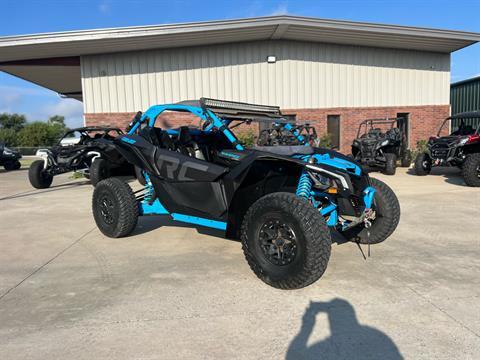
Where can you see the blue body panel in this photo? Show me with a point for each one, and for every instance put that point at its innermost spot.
(220, 225)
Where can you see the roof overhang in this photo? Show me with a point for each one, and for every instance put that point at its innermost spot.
(88, 42)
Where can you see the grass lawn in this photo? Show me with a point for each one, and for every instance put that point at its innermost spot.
(26, 162)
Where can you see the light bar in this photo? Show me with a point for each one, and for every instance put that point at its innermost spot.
(239, 106)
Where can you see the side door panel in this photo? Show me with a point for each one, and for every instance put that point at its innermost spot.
(190, 186)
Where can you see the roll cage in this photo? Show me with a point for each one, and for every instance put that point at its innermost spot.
(368, 124)
(462, 117)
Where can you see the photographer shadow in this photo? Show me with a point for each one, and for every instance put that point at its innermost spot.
(348, 338)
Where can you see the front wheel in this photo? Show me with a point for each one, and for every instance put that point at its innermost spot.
(387, 216)
(114, 208)
(12, 165)
(423, 164)
(471, 170)
(286, 241)
(390, 164)
(38, 176)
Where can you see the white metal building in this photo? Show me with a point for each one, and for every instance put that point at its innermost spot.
(334, 73)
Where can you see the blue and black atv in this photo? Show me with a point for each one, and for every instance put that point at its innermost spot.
(281, 201)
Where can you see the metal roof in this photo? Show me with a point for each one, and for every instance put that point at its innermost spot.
(466, 81)
(52, 59)
(76, 43)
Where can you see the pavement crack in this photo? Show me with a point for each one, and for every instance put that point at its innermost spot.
(46, 263)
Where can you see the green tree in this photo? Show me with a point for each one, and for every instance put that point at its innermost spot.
(40, 134)
(57, 120)
(8, 137)
(12, 121)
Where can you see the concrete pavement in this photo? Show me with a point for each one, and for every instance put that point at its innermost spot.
(177, 292)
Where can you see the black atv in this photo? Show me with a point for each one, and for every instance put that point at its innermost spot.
(287, 133)
(279, 200)
(380, 143)
(461, 148)
(9, 159)
(86, 150)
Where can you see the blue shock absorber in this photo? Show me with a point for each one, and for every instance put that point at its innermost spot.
(304, 188)
(148, 188)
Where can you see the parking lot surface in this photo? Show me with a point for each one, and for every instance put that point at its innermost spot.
(172, 291)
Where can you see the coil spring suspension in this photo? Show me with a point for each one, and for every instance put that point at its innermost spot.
(148, 188)
(304, 188)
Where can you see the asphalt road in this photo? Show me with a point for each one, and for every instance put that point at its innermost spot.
(177, 292)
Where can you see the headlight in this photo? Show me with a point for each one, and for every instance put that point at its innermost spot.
(326, 172)
(384, 143)
(7, 151)
(462, 141)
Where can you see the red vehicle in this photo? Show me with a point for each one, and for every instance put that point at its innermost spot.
(461, 148)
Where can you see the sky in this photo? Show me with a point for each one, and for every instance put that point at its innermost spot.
(36, 16)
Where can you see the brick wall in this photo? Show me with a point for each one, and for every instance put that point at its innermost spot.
(424, 120)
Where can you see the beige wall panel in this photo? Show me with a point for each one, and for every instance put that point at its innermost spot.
(306, 75)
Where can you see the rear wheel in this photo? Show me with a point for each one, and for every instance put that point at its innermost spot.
(387, 216)
(406, 160)
(12, 165)
(286, 241)
(390, 164)
(38, 176)
(99, 170)
(114, 208)
(471, 170)
(423, 164)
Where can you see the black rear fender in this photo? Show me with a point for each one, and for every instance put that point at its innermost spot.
(264, 176)
(137, 151)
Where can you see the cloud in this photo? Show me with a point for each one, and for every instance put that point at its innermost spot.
(70, 108)
(281, 9)
(39, 104)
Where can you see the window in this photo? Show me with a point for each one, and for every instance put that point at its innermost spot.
(333, 129)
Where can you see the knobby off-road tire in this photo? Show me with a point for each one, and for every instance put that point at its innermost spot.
(406, 160)
(471, 170)
(390, 164)
(387, 210)
(12, 165)
(422, 165)
(114, 208)
(311, 245)
(139, 175)
(38, 177)
(99, 170)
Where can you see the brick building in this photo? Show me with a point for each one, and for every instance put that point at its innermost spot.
(332, 73)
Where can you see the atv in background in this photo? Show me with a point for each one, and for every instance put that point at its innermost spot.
(288, 134)
(9, 159)
(279, 200)
(86, 150)
(461, 148)
(379, 143)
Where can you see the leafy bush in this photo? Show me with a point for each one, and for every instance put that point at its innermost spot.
(247, 138)
(8, 137)
(40, 134)
(421, 148)
(325, 141)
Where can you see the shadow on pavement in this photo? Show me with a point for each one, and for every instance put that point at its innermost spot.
(348, 338)
(451, 175)
(65, 186)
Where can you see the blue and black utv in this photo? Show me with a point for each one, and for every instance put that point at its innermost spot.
(281, 201)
